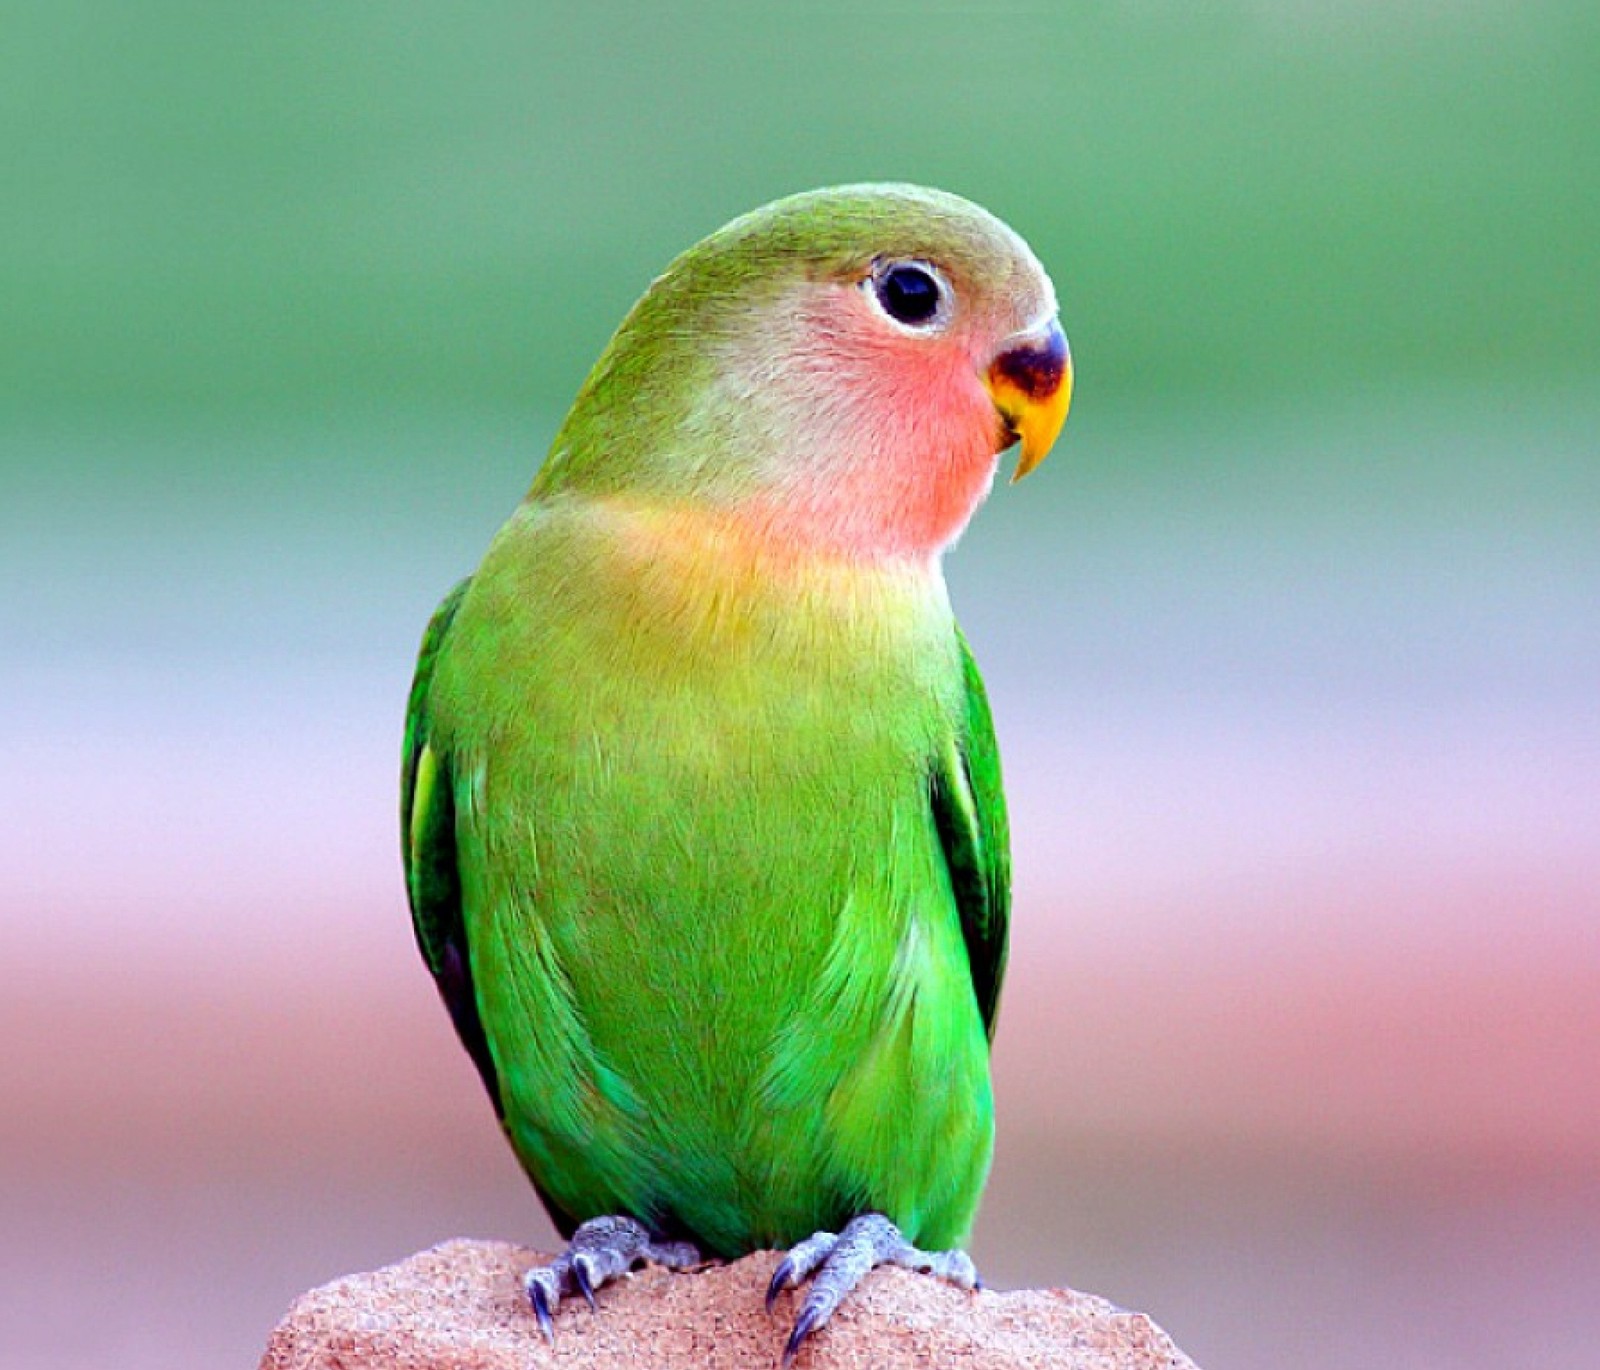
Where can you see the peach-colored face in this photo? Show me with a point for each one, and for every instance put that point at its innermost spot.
(889, 432)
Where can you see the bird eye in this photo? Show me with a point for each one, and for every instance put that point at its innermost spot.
(909, 293)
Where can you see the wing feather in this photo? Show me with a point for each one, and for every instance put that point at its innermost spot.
(433, 879)
(969, 811)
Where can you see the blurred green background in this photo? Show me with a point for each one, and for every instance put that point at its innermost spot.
(1295, 643)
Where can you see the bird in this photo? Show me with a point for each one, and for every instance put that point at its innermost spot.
(704, 834)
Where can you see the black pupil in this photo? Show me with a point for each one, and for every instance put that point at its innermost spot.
(909, 294)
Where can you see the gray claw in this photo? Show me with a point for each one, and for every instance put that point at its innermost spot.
(839, 1264)
(541, 1310)
(782, 1278)
(807, 1323)
(601, 1249)
(580, 1277)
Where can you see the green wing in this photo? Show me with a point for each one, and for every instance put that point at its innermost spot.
(428, 838)
(969, 809)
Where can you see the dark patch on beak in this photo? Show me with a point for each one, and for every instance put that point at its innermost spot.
(1036, 367)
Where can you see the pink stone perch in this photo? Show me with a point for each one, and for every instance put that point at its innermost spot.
(460, 1306)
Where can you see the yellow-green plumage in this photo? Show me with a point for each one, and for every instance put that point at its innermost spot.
(705, 840)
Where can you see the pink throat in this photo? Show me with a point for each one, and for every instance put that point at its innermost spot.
(901, 442)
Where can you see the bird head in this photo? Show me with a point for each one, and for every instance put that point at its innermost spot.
(839, 371)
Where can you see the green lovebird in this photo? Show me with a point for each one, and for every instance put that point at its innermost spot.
(704, 835)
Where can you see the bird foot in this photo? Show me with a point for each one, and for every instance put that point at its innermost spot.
(600, 1250)
(839, 1263)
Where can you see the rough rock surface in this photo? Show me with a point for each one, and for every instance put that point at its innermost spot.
(460, 1306)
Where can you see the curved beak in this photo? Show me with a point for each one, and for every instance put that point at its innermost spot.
(1030, 382)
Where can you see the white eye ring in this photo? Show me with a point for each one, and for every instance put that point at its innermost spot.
(899, 288)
